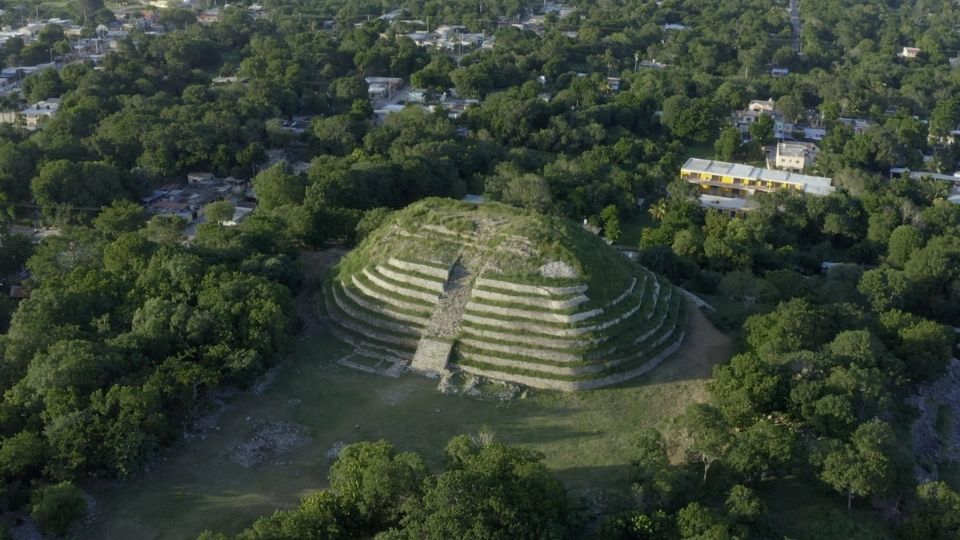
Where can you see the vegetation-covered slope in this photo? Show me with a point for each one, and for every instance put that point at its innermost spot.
(543, 301)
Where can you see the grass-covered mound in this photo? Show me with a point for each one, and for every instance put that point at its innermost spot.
(523, 297)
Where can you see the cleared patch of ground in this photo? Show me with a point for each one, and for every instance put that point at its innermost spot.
(270, 441)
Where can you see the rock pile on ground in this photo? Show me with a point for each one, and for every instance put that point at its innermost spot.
(269, 440)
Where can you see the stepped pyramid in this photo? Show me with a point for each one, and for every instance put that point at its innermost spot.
(501, 293)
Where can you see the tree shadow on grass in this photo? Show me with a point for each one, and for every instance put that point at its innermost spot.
(605, 487)
(524, 434)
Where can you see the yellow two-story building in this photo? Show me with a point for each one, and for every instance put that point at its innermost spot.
(720, 180)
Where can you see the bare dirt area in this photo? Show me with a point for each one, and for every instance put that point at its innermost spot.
(704, 347)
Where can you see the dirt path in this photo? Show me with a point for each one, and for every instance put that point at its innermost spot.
(703, 347)
(313, 265)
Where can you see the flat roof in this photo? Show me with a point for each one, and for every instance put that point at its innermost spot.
(795, 149)
(726, 203)
(816, 185)
(917, 175)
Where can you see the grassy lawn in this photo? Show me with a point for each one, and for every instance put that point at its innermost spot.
(944, 423)
(631, 228)
(586, 437)
(702, 151)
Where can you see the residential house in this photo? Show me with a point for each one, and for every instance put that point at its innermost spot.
(417, 95)
(949, 138)
(859, 125)
(257, 11)
(742, 120)
(197, 177)
(382, 87)
(561, 10)
(767, 106)
(952, 181)
(380, 115)
(40, 112)
(795, 156)
(209, 16)
(814, 133)
(188, 201)
(19, 72)
(422, 39)
(391, 16)
(909, 52)
(230, 80)
(652, 64)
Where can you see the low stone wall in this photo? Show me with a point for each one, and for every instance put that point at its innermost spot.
(569, 386)
(623, 296)
(395, 289)
(543, 354)
(544, 303)
(478, 317)
(528, 339)
(618, 378)
(369, 319)
(351, 325)
(523, 325)
(530, 289)
(388, 272)
(380, 297)
(363, 302)
(636, 342)
(518, 364)
(517, 313)
(665, 336)
(438, 273)
(392, 355)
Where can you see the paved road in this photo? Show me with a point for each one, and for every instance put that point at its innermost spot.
(795, 21)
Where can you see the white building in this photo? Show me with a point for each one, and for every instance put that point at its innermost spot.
(909, 52)
(382, 87)
(729, 186)
(795, 156)
(34, 115)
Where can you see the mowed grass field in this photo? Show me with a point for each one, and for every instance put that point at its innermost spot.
(586, 437)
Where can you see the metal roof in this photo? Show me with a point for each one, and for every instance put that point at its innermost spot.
(816, 185)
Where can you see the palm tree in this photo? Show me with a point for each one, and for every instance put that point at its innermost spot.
(659, 209)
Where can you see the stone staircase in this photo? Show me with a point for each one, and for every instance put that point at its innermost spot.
(433, 350)
(445, 320)
(432, 355)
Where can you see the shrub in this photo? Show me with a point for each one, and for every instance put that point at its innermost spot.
(56, 507)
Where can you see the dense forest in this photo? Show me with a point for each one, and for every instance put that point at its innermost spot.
(127, 327)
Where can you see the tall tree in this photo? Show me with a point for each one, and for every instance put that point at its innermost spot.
(862, 467)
